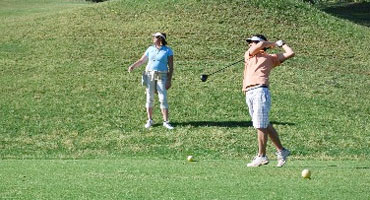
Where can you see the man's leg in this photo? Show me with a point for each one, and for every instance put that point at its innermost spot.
(262, 141)
(261, 105)
(261, 158)
(282, 153)
(274, 136)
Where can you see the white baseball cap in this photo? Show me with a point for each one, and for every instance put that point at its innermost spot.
(254, 39)
(158, 34)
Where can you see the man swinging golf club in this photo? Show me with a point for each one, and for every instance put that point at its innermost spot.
(258, 65)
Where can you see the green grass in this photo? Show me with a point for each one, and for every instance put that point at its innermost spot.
(65, 94)
(22, 8)
(68, 93)
(138, 178)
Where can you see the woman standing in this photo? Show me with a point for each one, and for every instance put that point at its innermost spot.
(157, 76)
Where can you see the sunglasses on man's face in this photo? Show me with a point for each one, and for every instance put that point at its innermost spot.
(249, 42)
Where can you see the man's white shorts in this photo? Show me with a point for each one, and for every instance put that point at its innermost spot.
(259, 103)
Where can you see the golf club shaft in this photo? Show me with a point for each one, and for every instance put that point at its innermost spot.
(226, 66)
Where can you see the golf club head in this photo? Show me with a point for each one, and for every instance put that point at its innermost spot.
(204, 77)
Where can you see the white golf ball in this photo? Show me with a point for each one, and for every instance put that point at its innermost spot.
(190, 158)
(306, 173)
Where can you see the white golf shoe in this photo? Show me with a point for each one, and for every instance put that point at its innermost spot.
(282, 157)
(167, 125)
(149, 123)
(258, 161)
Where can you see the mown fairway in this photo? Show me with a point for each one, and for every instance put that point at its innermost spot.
(65, 94)
(137, 178)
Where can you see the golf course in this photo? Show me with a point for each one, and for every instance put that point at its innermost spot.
(72, 116)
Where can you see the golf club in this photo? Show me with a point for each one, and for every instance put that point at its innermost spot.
(204, 77)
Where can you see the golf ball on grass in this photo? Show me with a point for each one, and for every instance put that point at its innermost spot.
(306, 173)
(190, 158)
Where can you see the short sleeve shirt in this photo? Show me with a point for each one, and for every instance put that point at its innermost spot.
(158, 58)
(258, 67)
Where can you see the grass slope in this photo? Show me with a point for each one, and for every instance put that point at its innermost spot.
(65, 90)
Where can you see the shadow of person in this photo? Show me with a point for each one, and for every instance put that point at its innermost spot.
(358, 13)
(229, 124)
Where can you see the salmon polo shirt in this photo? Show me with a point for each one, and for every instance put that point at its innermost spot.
(257, 69)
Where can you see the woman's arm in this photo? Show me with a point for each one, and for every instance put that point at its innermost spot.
(170, 72)
(138, 63)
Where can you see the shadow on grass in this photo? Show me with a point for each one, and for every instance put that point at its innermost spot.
(356, 12)
(224, 123)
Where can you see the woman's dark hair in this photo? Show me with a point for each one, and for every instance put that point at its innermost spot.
(164, 42)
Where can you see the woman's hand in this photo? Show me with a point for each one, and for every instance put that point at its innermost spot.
(131, 68)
